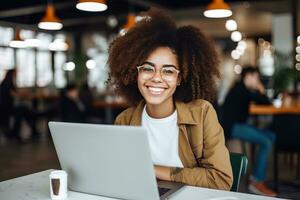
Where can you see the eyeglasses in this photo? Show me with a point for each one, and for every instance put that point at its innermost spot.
(167, 73)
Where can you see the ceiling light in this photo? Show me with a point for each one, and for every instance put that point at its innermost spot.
(242, 44)
(122, 32)
(217, 9)
(50, 21)
(91, 5)
(298, 39)
(237, 69)
(298, 57)
(298, 49)
(112, 21)
(58, 45)
(29, 38)
(240, 50)
(69, 66)
(131, 21)
(17, 42)
(235, 55)
(231, 25)
(140, 18)
(33, 42)
(90, 64)
(297, 66)
(236, 36)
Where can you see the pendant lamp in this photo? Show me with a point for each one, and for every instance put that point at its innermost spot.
(217, 9)
(17, 42)
(130, 21)
(50, 21)
(91, 5)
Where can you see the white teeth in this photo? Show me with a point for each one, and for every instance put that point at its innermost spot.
(154, 89)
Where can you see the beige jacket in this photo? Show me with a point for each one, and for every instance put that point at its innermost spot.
(201, 144)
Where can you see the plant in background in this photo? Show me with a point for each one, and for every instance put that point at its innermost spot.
(285, 75)
(282, 79)
(80, 70)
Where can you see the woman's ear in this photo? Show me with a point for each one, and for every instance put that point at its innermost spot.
(178, 80)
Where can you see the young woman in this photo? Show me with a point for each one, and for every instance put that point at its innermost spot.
(168, 74)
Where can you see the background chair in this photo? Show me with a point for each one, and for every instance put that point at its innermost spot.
(287, 129)
(239, 164)
(239, 161)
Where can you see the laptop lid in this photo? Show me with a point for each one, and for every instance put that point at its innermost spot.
(106, 160)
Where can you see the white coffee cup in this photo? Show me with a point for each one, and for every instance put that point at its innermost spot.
(58, 184)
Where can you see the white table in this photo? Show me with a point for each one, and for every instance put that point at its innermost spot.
(36, 187)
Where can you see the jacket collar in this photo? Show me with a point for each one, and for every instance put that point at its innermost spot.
(136, 119)
(184, 113)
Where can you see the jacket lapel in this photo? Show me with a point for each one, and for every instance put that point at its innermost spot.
(136, 119)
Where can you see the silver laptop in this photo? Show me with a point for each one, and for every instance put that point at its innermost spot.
(108, 160)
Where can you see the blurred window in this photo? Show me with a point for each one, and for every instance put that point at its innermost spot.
(44, 71)
(6, 34)
(25, 67)
(34, 63)
(6, 61)
(97, 52)
(59, 75)
(7, 58)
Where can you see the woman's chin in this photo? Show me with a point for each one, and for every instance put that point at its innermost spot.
(152, 101)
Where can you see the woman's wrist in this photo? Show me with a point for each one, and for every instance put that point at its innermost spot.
(163, 173)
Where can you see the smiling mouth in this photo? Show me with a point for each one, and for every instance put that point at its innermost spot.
(155, 90)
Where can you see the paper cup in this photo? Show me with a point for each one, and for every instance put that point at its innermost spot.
(58, 184)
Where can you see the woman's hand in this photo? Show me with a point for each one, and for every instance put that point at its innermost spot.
(162, 173)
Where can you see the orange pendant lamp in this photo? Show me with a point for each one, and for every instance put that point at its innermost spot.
(130, 21)
(218, 9)
(17, 42)
(50, 21)
(92, 5)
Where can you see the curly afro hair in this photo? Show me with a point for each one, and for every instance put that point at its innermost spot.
(197, 57)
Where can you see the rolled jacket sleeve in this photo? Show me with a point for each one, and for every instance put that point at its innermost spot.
(213, 168)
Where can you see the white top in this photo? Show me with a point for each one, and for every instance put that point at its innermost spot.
(163, 139)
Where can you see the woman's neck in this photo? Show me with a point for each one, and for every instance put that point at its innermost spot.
(161, 110)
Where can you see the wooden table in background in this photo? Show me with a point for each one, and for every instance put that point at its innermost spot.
(108, 106)
(291, 108)
(272, 110)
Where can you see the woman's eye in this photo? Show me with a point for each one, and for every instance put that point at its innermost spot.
(168, 71)
(148, 69)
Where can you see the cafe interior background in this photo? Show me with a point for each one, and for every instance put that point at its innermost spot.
(262, 33)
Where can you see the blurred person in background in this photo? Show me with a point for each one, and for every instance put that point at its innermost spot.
(168, 76)
(235, 112)
(72, 107)
(8, 93)
(86, 97)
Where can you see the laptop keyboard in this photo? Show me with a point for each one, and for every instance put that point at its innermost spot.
(163, 191)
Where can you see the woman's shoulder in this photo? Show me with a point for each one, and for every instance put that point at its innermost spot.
(125, 116)
(194, 112)
(199, 104)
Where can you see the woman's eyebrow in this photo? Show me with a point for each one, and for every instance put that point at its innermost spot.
(169, 65)
(149, 63)
(152, 64)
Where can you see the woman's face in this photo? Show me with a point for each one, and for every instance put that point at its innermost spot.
(158, 76)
